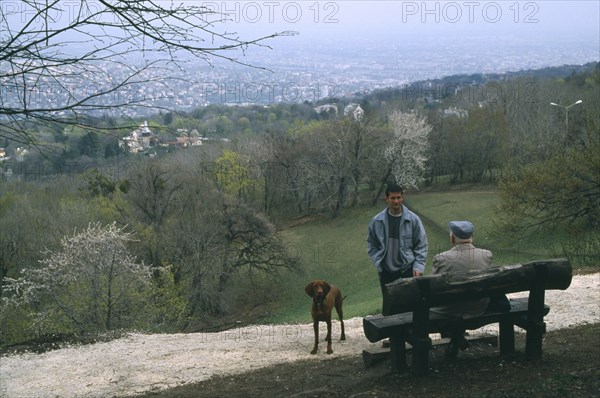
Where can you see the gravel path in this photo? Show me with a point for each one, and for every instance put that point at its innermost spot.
(140, 363)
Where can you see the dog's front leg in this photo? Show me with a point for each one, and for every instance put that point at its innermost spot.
(316, 330)
(328, 338)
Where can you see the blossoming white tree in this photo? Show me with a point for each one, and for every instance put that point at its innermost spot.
(406, 154)
(91, 284)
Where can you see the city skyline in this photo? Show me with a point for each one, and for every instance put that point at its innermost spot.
(442, 37)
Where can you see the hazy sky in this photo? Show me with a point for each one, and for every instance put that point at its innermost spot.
(465, 25)
(545, 20)
(392, 20)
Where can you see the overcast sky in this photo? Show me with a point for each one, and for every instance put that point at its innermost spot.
(515, 25)
(545, 20)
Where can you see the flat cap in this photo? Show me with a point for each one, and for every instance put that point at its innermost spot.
(461, 229)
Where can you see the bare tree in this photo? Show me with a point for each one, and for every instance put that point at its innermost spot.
(344, 152)
(333, 162)
(154, 192)
(62, 60)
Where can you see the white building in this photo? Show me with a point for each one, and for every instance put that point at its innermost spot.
(139, 139)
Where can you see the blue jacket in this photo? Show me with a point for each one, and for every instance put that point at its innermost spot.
(413, 248)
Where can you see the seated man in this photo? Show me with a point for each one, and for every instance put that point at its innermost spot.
(463, 256)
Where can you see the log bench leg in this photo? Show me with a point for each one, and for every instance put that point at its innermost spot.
(533, 340)
(420, 340)
(420, 352)
(535, 316)
(507, 337)
(398, 353)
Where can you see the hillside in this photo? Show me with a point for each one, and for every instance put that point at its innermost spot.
(334, 249)
(280, 333)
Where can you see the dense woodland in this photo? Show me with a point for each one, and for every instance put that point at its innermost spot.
(95, 238)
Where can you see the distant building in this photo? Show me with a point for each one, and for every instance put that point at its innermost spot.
(186, 138)
(354, 110)
(139, 139)
(326, 108)
(187, 141)
(460, 113)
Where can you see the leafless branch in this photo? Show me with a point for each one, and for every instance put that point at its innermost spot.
(60, 60)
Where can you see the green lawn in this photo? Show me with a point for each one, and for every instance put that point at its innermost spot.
(335, 249)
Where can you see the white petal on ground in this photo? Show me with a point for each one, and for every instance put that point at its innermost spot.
(140, 363)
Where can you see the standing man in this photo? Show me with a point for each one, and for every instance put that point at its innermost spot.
(396, 240)
(463, 256)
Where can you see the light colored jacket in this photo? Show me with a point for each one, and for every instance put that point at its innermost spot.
(413, 245)
(462, 257)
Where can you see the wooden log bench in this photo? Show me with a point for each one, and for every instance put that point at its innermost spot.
(406, 317)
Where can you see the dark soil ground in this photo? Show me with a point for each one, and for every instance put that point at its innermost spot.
(570, 367)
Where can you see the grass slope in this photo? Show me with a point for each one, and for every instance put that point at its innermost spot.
(335, 249)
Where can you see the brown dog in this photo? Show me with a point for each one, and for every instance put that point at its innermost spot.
(325, 297)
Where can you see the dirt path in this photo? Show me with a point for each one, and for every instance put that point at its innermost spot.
(141, 363)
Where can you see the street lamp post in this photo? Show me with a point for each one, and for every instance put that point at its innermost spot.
(566, 108)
